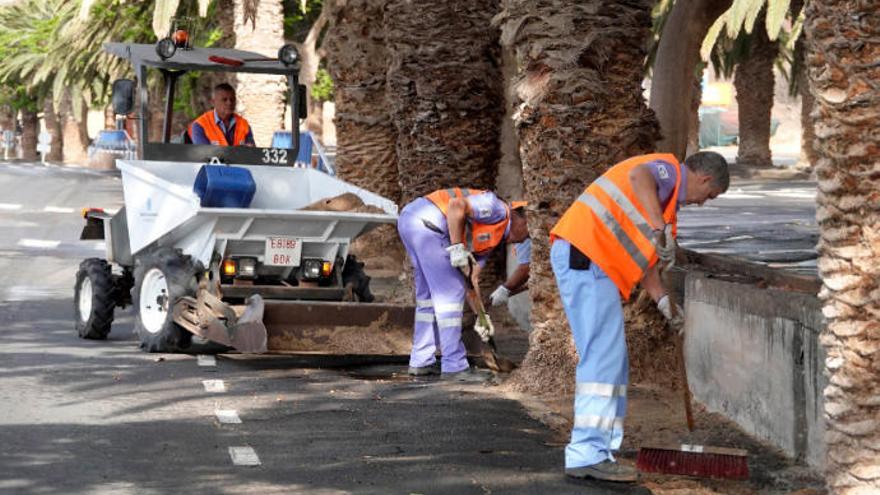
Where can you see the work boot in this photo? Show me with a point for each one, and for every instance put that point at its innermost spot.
(431, 369)
(606, 470)
(469, 374)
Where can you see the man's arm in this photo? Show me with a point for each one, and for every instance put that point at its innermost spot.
(456, 213)
(198, 134)
(516, 282)
(652, 284)
(646, 190)
(249, 139)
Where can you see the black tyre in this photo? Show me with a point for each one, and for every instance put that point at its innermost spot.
(160, 279)
(355, 279)
(94, 297)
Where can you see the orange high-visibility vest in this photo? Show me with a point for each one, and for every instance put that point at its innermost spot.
(609, 224)
(480, 238)
(216, 135)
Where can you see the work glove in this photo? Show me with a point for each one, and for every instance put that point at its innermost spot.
(676, 323)
(665, 250)
(484, 331)
(458, 256)
(500, 296)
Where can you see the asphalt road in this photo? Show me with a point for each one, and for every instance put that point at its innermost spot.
(100, 417)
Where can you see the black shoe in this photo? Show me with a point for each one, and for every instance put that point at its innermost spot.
(469, 374)
(605, 471)
(431, 369)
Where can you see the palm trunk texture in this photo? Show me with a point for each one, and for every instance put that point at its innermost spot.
(843, 46)
(580, 111)
(75, 138)
(53, 127)
(30, 126)
(444, 93)
(261, 96)
(753, 80)
(675, 70)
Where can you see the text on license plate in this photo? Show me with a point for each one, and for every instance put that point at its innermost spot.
(283, 251)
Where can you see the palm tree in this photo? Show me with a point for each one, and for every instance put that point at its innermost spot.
(365, 133)
(843, 75)
(754, 82)
(260, 97)
(444, 93)
(580, 111)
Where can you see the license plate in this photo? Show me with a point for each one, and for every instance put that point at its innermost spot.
(283, 251)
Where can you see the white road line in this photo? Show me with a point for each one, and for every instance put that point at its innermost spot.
(9, 206)
(58, 209)
(100, 246)
(227, 416)
(38, 243)
(206, 360)
(214, 386)
(244, 456)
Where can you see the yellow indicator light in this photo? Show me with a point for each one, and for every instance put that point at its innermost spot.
(229, 266)
(326, 268)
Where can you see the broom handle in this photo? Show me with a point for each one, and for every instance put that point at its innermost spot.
(679, 343)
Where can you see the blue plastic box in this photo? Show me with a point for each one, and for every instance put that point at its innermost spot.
(220, 186)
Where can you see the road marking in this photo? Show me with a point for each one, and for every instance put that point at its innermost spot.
(100, 246)
(58, 209)
(206, 360)
(227, 416)
(214, 386)
(37, 243)
(244, 456)
(9, 206)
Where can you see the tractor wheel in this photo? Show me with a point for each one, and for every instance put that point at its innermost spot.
(161, 278)
(94, 299)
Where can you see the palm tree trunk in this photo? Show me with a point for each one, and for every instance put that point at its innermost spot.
(843, 74)
(310, 60)
(675, 67)
(75, 141)
(753, 80)
(261, 97)
(808, 128)
(444, 93)
(7, 118)
(53, 127)
(580, 111)
(30, 126)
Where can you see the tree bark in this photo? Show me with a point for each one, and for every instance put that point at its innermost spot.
(53, 127)
(842, 54)
(808, 128)
(310, 61)
(7, 118)
(675, 68)
(444, 93)
(754, 80)
(693, 128)
(260, 96)
(30, 126)
(580, 110)
(75, 140)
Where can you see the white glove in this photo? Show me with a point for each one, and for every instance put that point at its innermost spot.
(676, 323)
(484, 331)
(500, 296)
(665, 251)
(458, 255)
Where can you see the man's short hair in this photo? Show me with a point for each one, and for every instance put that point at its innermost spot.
(711, 164)
(224, 87)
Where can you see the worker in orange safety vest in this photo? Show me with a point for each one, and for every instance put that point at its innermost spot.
(608, 241)
(221, 126)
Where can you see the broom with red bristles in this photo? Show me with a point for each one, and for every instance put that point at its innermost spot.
(687, 459)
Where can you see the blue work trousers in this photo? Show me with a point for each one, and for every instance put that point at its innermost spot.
(595, 313)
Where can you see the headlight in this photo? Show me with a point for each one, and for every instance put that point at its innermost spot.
(165, 48)
(247, 267)
(288, 55)
(312, 269)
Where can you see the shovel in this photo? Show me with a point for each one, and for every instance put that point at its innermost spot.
(490, 354)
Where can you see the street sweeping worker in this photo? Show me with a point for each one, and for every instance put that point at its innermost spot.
(447, 234)
(221, 126)
(517, 280)
(610, 239)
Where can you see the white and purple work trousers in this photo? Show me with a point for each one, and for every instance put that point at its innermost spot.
(440, 288)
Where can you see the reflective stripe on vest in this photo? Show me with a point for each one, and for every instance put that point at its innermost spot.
(609, 225)
(480, 238)
(216, 135)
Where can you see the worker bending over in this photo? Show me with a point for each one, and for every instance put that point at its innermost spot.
(516, 281)
(608, 241)
(447, 233)
(221, 126)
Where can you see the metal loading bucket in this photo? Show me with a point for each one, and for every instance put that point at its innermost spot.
(342, 328)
